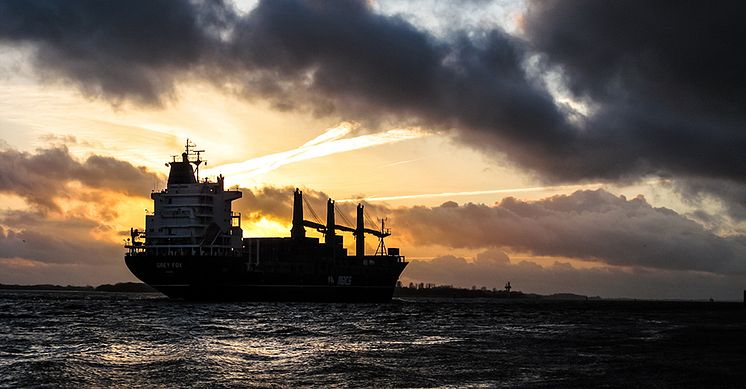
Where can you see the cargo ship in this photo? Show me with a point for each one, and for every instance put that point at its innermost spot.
(192, 248)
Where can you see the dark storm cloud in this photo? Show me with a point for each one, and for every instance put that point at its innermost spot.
(116, 49)
(336, 58)
(336, 48)
(592, 225)
(662, 78)
(681, 55)
(41, 178)
(357, 63)
(659, 78)
(666, 78)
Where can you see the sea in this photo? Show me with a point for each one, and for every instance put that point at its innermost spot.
(89, 339)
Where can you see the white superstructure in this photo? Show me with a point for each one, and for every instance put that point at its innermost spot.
(191, 217)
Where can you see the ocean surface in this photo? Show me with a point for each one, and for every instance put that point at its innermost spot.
(80, 339)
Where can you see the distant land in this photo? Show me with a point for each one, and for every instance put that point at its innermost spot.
(419, 290)
(449, 291)
(122, 287)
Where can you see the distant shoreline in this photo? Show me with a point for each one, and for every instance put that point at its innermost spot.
(449, 291)
(429, 291)
(121, 287)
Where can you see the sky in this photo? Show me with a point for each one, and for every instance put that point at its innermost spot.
(588, 147)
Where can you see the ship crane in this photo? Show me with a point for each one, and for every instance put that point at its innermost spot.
(329, 229)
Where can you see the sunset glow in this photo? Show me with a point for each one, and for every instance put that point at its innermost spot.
(483, 133)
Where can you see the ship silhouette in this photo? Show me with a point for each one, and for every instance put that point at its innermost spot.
(193, 248)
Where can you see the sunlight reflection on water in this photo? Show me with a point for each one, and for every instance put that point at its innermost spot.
(95, 340)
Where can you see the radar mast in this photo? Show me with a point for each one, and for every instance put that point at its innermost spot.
(190, 152)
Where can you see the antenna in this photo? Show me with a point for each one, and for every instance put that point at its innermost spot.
(188, 145)
(191, 152)
(198, 161)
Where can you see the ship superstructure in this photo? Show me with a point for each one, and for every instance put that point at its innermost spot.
(193, 247)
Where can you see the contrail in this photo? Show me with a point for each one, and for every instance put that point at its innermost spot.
(403, 162)
(470, 193)
(332, 141)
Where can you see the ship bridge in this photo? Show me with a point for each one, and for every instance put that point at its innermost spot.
(190, 217)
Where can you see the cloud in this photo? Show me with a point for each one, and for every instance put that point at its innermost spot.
(731, 195)
(277, 203)
(66, 233)
(271, 202)
(676, 57)
(643, 251)
(43, 177)
(493, 268)
(119, 50)
(660, 77)
(588, 225)
(372, 67)
(35, 248)
(71, 249)
(340, 59)
(659, 80)
(591, 225)
(32, 236)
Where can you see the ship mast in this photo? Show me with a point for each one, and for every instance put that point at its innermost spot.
(384, 233)
(197, 161)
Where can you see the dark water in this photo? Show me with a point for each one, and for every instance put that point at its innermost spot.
(68, 339)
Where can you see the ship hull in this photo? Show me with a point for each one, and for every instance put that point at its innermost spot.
(236, 279)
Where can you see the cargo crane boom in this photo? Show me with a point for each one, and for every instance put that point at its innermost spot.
(329, 229)
(322, 228)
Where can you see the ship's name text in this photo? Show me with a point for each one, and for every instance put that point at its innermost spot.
(168, 265)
